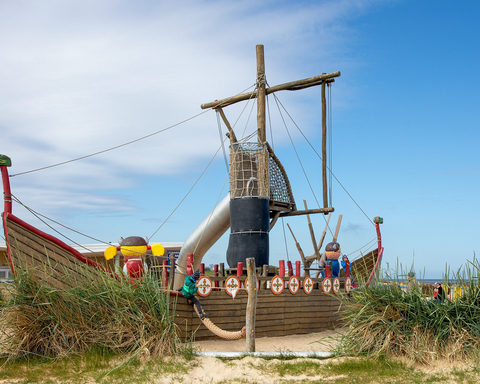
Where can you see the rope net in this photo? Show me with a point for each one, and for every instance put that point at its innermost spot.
(249, 170)
(279, 185)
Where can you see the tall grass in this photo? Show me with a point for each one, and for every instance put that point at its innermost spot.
(106, 313)
(382, 319)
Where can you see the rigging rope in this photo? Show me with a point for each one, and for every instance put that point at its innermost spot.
(285, 239)
(270, 124)
(246, 124)
(318, 155)
(296, 153)
(190, 190)
(221, 141)
(39, 217)
(129, 142)
(210, 216)
(369, 244)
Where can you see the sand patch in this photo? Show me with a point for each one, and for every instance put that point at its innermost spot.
(312, 342)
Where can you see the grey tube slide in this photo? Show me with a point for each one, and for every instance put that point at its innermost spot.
(202, 239)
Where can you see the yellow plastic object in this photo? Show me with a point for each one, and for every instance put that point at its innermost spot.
(136, 251)
(110, 252)
(158, 250)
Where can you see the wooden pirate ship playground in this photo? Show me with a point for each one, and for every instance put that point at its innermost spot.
(287, 299)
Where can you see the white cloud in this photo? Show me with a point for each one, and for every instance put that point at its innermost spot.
(78, 77)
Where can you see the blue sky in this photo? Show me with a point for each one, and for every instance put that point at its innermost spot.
(79, 77)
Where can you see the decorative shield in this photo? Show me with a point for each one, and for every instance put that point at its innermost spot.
(246, 285)
(277, 285)
(327, 285)
(232, 286)
(293, 285)
(348, 284)
(204, 285)
(308, 285)
(336, 285)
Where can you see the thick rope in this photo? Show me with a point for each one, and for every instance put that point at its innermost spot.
(220, 332)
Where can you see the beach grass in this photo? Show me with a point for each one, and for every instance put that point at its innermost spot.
(115, 315)
(385, 320)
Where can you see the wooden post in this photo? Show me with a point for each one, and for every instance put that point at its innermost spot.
(7, 194)
(306, 263)
(215, 273)
(221, 270)
(324, 146)
(171, 280)
(262, 137)
(164, 274)
(232, 137)
(251, 305)
(335, 236)
(324, 232)
(312, 233)
(264, 274)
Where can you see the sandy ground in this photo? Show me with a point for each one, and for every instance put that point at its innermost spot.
(209, 369)
(293, 343)
(250, 369)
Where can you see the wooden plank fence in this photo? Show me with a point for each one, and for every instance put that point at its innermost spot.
(276, 315)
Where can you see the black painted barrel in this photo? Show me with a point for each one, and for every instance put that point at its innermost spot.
(249, 228)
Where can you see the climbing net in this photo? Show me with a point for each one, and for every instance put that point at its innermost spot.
(249, 170)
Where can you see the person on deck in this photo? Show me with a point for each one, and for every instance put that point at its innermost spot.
(435, 291)
(189, 289)
(440, 293)
(344, 267)
(412, 283)
(332, 253)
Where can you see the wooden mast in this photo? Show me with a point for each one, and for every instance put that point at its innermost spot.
(261, 89)
(324, 146)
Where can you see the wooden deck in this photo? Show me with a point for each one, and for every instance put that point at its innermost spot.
(276, 315)
(47, 259)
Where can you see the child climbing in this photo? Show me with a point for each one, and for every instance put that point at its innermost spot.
(189, 289)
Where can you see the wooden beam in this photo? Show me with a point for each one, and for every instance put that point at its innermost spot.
(232, 137)
(297, 244)
(251, 305)
(291, 86)
(312, 233)
(335, 236)
(324, 146)
(324, 232)
(310, 212)
(274, 219)
(261, 93)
